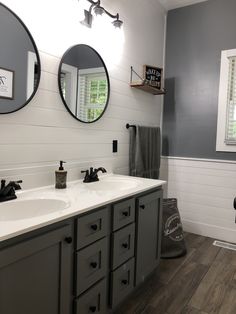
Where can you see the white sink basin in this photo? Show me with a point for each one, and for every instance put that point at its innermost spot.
(113, 184)
(30, 208)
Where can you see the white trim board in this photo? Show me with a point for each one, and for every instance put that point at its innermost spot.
(201, 159)
(211, 231)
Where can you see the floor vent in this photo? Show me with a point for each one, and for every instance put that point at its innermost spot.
(225, 245)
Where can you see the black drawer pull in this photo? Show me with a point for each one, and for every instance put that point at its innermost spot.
(68, 240)
(142, 206)
(93, 265)
(93, 309)
(94, 227)
(125, 245)
(126, 214)
(124, 281)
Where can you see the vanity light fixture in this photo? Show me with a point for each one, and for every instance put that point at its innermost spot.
(99, 10)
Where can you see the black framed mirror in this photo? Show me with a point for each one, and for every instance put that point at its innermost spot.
(84, 83)
(19, 63)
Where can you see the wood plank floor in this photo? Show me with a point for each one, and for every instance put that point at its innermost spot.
(202, 282)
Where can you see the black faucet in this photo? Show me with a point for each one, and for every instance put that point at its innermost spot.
(7, 192)
(92, 175)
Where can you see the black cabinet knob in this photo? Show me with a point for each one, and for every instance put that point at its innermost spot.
(126, 214)
(124, 281)
(93, 309)
(93, 265)
(68, 240)
(142, 206)
(94, 227)
(235, 203)
(125, 245)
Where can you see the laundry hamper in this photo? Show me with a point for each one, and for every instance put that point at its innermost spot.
(172, 244)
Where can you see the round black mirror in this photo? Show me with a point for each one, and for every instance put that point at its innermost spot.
(19, 63)
(84, 83)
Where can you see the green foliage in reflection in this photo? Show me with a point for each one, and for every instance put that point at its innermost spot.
(98, 96)
(98, 92)
(93, 114)
(234, 129)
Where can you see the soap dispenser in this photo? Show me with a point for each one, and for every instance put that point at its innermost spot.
(60, 176)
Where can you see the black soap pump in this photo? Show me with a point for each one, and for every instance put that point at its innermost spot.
(61, 176)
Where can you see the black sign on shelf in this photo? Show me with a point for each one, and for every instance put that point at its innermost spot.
(153, 76)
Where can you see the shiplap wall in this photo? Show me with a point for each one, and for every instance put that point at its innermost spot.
(35, 138)
(205, 190)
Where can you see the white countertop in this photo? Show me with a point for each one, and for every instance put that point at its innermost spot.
(79, 197)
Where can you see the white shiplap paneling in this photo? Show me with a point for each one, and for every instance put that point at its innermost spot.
(34, 139)
(205, 190)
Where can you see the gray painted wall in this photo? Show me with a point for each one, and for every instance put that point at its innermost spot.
(15, 44)
(195, 37)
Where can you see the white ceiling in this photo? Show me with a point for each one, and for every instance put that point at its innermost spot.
(173, 4)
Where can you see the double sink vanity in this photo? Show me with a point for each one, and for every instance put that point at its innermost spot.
(85, 248)
(80, 250)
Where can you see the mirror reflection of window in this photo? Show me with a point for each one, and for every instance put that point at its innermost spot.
(69, 85)
(32, 73)
(92, 93)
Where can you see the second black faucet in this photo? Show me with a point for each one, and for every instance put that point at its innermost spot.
(7, 192)
(92, 174)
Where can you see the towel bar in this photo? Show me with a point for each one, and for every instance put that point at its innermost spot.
(130, 126)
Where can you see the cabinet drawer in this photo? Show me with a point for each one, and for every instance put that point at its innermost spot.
(93, 301)
(91, 265)
(91, 227)
(122, 245)
(123, 213)
(122, 282)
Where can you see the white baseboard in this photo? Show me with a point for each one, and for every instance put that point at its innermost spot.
(211, 231)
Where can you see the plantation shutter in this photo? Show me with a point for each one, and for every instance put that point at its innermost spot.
(230, 137)
(92, 95)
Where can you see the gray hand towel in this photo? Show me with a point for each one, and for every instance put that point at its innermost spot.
(144, 156)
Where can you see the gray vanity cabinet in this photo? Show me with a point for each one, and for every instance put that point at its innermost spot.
(116, 247)
(148, 238)
(35, 274)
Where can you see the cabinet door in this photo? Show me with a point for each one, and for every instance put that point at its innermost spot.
(149, 215)
(35, 275)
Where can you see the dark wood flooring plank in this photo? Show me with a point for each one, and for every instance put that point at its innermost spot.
(218, 275)
(227, 257)
(213, 300)
(175, 296)
(206, 253)
(228, 305)
(194, 240)
(191, 310)
(169, 267)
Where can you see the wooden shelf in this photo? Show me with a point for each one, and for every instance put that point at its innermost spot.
(146, 84)
(148, 88)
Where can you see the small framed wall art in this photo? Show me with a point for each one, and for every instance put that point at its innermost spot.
(6, 83)
(153, 75)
